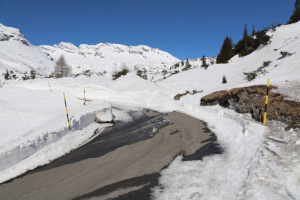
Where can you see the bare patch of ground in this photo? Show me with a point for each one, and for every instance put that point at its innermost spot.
(252, 100)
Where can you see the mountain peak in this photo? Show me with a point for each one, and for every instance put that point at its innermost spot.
(9, 33)
(66, 46)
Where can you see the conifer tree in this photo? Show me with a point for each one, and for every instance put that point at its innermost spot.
(253, 31)
(245, 35)
(226, 51)
(224, 80)
(295, 17)
(204, 64)
(187, 64)
(7, 75)
(32, 74)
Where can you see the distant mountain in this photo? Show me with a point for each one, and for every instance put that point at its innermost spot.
(19, 56)
(110, 57)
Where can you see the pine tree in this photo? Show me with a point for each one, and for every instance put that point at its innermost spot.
(7, 75)
(224, 80)
(245, 35)
(204, 64)
(253, 31)
(187, 64)
(295, 17)
(62, 69)
(32, 74)
(226, 51)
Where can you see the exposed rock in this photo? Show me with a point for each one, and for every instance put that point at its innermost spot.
(25, 42)
(252, 100)
(220, 97)
(4, 37)
(178, 96)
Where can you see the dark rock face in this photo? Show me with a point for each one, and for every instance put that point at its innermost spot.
(252, 100)
(25, 42)
(4, 37)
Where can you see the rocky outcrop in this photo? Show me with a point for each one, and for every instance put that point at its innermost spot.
(8, 33)
(252, 100)
(178, 96)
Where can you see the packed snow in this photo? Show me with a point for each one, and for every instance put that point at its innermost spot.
(258, 162)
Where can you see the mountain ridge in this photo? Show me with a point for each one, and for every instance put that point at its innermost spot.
(19, 56)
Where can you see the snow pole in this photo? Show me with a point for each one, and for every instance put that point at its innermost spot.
(0, 84)
(84, 96)
(266, 105)
(67, 111)
(49, 86)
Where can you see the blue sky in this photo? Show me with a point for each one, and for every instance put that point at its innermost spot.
(184, 28)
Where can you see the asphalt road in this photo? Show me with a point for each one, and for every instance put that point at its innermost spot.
(123, 162)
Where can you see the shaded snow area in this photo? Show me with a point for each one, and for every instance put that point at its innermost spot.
(258, 162)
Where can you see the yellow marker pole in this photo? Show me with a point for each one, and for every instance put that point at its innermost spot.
(67, 111)
(84, 96)
(0, 84)
(49, 86)
(266, 105)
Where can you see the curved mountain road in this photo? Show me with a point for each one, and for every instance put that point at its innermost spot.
(123, 162)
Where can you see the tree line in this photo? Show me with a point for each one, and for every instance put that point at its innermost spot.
(250, 43)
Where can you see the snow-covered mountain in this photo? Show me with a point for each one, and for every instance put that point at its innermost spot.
(18, 55)
(110, 57)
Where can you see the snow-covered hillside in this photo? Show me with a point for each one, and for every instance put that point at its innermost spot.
(110, 57)
(19, 56)
(258, 162)
(285, 40)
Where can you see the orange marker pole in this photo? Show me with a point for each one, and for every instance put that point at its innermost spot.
(266, 105)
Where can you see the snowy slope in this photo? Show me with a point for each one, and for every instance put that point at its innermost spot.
(18, 55)
(285, 38)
